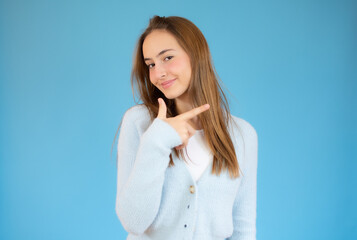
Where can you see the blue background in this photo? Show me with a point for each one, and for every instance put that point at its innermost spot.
(291, 71)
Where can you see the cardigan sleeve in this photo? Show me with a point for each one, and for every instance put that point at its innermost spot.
(244, 208)
(141, 165)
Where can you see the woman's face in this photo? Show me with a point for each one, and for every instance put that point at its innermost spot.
(169, 65)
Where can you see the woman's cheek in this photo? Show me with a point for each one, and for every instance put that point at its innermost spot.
(151, 78)
(175, 66)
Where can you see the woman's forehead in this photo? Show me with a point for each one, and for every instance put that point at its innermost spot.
(157, 41)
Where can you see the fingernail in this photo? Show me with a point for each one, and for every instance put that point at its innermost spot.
(159, 100)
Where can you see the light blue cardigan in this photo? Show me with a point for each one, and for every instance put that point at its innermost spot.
(155, 201)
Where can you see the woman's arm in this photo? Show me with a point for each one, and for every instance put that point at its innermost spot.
(244, 209)
(142, 161)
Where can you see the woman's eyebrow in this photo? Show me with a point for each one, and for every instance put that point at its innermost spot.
(160, 53)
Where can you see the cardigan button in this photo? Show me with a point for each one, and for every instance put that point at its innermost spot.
(192, 189)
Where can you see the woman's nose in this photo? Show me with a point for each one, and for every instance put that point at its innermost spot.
(160, 71)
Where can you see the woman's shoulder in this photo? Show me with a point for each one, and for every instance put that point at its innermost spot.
(246, 142)
(243, 127)
(138, 111)
(137, 115)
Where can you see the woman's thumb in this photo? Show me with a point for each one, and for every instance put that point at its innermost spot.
(162, 109)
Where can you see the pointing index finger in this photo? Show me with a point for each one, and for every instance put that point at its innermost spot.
(194, 112)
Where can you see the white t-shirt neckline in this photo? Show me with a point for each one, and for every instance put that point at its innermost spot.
(199, 153)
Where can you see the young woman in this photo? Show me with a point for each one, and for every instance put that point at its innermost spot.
(187, 168)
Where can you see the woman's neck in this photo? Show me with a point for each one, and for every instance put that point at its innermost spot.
(184, 105)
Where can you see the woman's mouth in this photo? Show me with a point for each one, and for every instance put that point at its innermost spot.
(168, 84)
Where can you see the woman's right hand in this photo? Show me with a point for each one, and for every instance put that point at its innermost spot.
(180, 122)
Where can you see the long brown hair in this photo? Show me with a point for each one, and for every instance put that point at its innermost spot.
(204, 88)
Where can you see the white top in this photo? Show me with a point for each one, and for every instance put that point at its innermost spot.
(199, 155)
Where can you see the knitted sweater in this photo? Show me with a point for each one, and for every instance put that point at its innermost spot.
(155, 201)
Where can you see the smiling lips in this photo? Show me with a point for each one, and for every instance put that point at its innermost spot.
(167, 84)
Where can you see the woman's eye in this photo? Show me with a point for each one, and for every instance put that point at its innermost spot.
(165, 59)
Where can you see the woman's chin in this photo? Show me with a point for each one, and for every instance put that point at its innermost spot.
(170, 96)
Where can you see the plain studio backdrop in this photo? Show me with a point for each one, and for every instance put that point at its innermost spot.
(288, 67)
